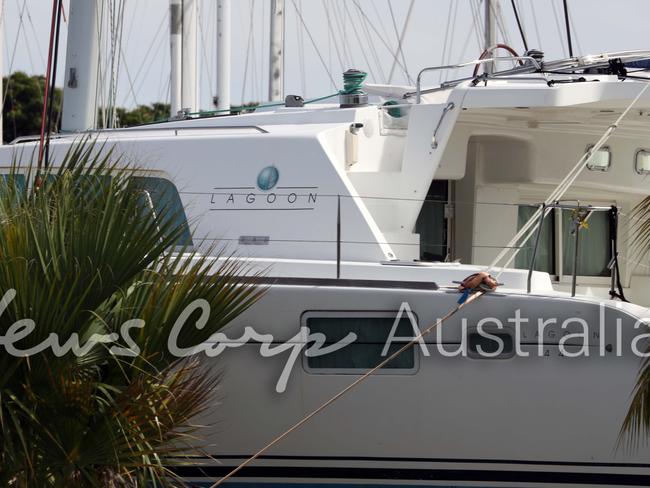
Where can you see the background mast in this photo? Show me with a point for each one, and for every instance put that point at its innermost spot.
(489, 32)
(81, 63)
(189, 79)
(276, 55)
(176, 45)
(223, 55)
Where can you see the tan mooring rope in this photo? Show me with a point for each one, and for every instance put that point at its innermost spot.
(474, 296)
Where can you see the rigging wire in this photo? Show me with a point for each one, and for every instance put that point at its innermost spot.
(373, 53)
(536, 24)
(13, 53)
(255, 79)
(341, 18)
(568, 28)
(557, 26)
(301, 53)
(371, 48)
(55, 4)
(452, 34)
(380, 19)
(332, 36)
(340, 24)
(145, 67)
(519, 25)
(383, 41)
(575, 34)
(50, 103)
(207, 66)
(400, 39)
(478, 26)
(446, 38)
(314, 45)
(248, 50)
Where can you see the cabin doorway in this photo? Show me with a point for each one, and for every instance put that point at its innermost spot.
(433, 223)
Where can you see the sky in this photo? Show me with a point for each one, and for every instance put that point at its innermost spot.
(323, 38)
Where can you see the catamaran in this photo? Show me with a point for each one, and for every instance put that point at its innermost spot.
(366, 215)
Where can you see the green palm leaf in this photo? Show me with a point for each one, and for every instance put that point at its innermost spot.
(84, 255)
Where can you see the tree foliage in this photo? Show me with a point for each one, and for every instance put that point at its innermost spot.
(23, 105)
(23, 108)
(84, 254)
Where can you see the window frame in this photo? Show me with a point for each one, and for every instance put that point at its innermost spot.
(643, 172)
(562, 277)
(491, 329)
(189, 247)
(305, 316)
(559, 276)
(600, 169)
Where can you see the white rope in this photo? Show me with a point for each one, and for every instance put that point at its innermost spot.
(562, 188)
(348, 388)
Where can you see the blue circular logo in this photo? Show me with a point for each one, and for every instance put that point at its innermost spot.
(268, 178)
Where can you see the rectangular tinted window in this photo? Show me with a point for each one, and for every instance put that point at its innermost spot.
(365, 352)
(594, 251)
(15, 181)
(545, 258)
(162, 198)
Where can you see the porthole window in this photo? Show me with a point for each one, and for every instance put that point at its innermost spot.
(642, 162)
(600, 160)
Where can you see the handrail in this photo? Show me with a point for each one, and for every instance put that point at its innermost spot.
(418, 84)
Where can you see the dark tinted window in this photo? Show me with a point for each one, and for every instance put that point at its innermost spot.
(364, 353)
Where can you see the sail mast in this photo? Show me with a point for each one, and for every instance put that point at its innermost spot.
(82, 54)
(189, 78)
(276, 54)
(489, 32)
(176, 45)
(223, 55)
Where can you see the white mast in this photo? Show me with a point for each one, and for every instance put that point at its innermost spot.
(176, 44)
(490, 32)
(81, 63)
(276, 58)
(189, 78)
(223, 55)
